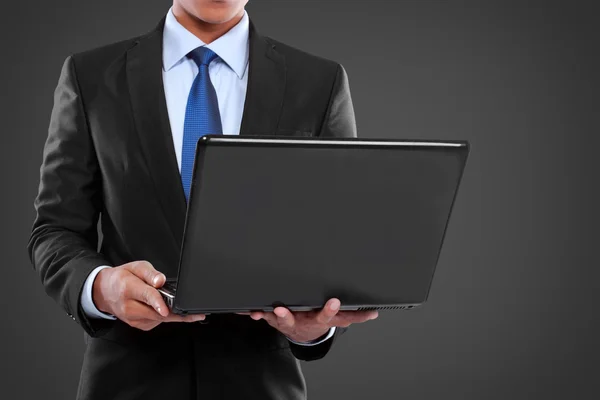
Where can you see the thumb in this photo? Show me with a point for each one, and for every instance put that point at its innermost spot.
(146, 272)
(329, 311)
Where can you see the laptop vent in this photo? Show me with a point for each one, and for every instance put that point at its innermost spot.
(385, 308)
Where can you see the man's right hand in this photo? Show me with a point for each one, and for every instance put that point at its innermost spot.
(129, 293)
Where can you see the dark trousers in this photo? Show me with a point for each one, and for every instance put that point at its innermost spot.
(230, 357)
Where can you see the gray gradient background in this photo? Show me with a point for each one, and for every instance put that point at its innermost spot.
(513, 308)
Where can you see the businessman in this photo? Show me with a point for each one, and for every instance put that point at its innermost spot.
(125, 121)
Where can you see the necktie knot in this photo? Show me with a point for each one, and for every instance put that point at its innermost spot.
(202, 55)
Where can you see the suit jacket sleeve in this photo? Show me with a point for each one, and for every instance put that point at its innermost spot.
(63, 242)
(339, 122)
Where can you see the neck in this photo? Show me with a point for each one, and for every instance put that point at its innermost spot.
(203, 30)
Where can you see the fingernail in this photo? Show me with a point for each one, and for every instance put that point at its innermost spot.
(155, 280)
(280, 313)
(334, 305)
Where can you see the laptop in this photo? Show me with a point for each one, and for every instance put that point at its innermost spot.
(274, 221)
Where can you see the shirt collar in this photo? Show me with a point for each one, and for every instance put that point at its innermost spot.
(232, 47)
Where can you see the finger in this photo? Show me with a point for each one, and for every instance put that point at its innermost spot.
(141, 316)
(184, 318)
(368, 315)
(346, 318)
(135, 310)
(257, 315)
(138, 290)
(138, 311)
(194, 318)
(285, 317)
(271, 318)
(146, 272)
(332, 307)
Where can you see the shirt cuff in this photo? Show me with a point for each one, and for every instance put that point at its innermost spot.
(316, 341)
(87, 302)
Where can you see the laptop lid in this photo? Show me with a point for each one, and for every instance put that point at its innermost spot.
(296, 221)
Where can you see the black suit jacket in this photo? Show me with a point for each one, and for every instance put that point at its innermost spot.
(109, 155)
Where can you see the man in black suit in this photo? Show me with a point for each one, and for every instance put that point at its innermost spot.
(113, 152)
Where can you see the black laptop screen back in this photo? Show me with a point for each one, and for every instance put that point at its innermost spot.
(297, 225)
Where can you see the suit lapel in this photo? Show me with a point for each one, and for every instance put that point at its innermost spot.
(266, 87)
(144, 77)
(262, 107)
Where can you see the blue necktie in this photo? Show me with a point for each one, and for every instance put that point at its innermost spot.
(201, 114)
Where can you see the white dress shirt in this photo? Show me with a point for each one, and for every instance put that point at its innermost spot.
(228, 74)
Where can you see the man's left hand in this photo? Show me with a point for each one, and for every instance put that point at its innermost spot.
(306, 326)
